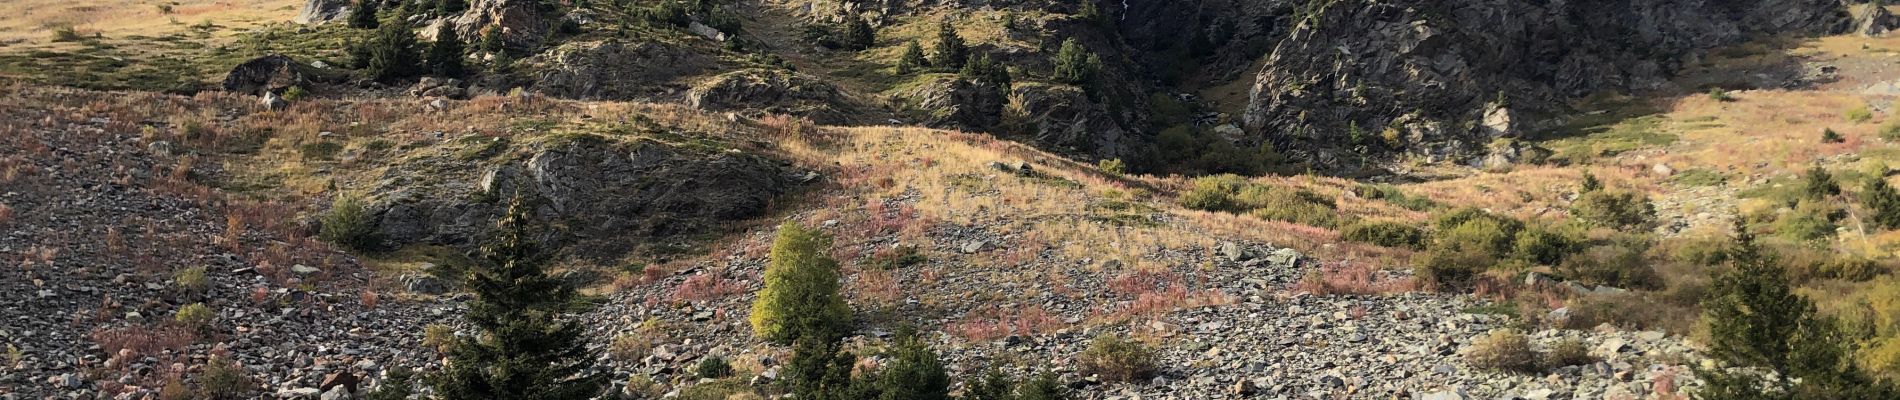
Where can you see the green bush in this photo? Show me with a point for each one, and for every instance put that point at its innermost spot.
(800, 298)
(1818, 184)
(1615, 210)
(1296, 206)
(1492, 237)
(1882, 202)
(192, 281)
(1502, 350)
(398, 384)
(1720, 95)
(913, 59)
(1830, 136)
(295, 93)
(1076, 65)
(223, 379)
(713, 368)
(320, 151)
(1617, 265)
(1890, 132)
(1214, 193)
(1385, 233)
(1117, 359)
(1112, 166)
(196, 316)
(1452, 270)
(1568, 352)
(1809, 221)
(1858, 114)
(1547, 245)
(1392, 194)
(348, 225)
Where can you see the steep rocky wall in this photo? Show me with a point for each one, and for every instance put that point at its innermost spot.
(1433, 71)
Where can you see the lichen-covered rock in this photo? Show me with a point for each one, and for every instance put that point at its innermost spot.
(616, 70)
(273, 73)
(1872, 21)
(609, 196)
(1063, 118)
(943, 101)
(521, 23)
(774, 91)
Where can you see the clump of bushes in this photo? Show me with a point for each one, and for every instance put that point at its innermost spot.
(1858, 114)
(1828, 135)
(1467, 242)
(1392, 194)
(348, 225)
(1618, 264)
(1614, 209)
(1504, 350)
(1385, 233)
(192, 281)
(1568, 352)
(1117, 358)
(1809, 221)
(1233, 194)
(713, 368)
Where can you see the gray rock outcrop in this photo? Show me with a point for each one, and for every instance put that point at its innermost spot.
(273, 73)
(774, 91)
(323, 11)
(615, 69)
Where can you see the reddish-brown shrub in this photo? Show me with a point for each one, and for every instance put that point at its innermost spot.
(1350, 278)
(996, 323)
(703, 287)
(143, 341)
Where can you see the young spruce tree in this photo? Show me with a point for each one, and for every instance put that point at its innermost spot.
(913, 59)
(951, 51)
(445, 55)
(393, 51)
(1775, 345)
(521, 348)
(858, 34)
(1882, 201)
(800, 299)
(364, 15)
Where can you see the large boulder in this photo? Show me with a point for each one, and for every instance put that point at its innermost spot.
(1874, 21)
(608, 196)
(616, 70)
(1449, 66)
(521, 24)
(944, 101)
(323, 11)
(1063, 118)
(774, 91)
(273, 74)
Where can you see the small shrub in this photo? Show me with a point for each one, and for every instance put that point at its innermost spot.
(1830, 136)
(196, 316)
(1547, 245)
(1858, 114)
(1296, 206)
(1568, 352)
(1451, 270)
(224, 379)
(1214, 193)
(1809, 221)
(1112, 166)
(1883, 202)
(348, 225)
(1818, 184)
(1615, 210)
(1720, 95)
(713, 368)
(439, 337)
(1385, 233)
(1392, 194)
(1890, 132)
(66, 33)
(1118, 359)
(320, 151)
(629, 347)
(1502, 350)
(1699, 177)
(896, 258)
(1616, 265)
(192, 281)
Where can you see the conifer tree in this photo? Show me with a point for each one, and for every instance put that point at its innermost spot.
(951, 51)
(392, 52)
(521, 348)
(993, 384)
(1882, 201)
(1820, 184)
(447, 8)
(445, 55)
(858, 34)
(800, 298)
(1042, 387)
(364, 15)
(1590, 183)
(912, 60)
(820, 370)
(1076, 65)
(913, 373)
(1772, 338)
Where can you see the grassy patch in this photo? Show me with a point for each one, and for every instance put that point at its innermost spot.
(1610, 140)
(1698, 177)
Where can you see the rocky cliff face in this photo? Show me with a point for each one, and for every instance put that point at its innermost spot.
(1440, 74)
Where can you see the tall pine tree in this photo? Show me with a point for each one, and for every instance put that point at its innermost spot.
(1076, 65)
(858, 34)
(913, 59)
(522, 348)
(951, 51)
(364, 15)
(913, 373)
(445, 56)
(392, 52)
(1772, 340)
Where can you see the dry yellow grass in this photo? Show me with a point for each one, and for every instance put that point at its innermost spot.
(32, 22)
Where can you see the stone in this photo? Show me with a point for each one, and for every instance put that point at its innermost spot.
(974, 246)
(1610, 348)
(1244, 387)
(338, 393)
(1284, 259)
(1662, 170)
(272, 102)
(423, 284)
(706, 31)
(160, 148)
(323, 11)
(782, 92)
(301, 269)
(1444, 395)
(272, 73)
